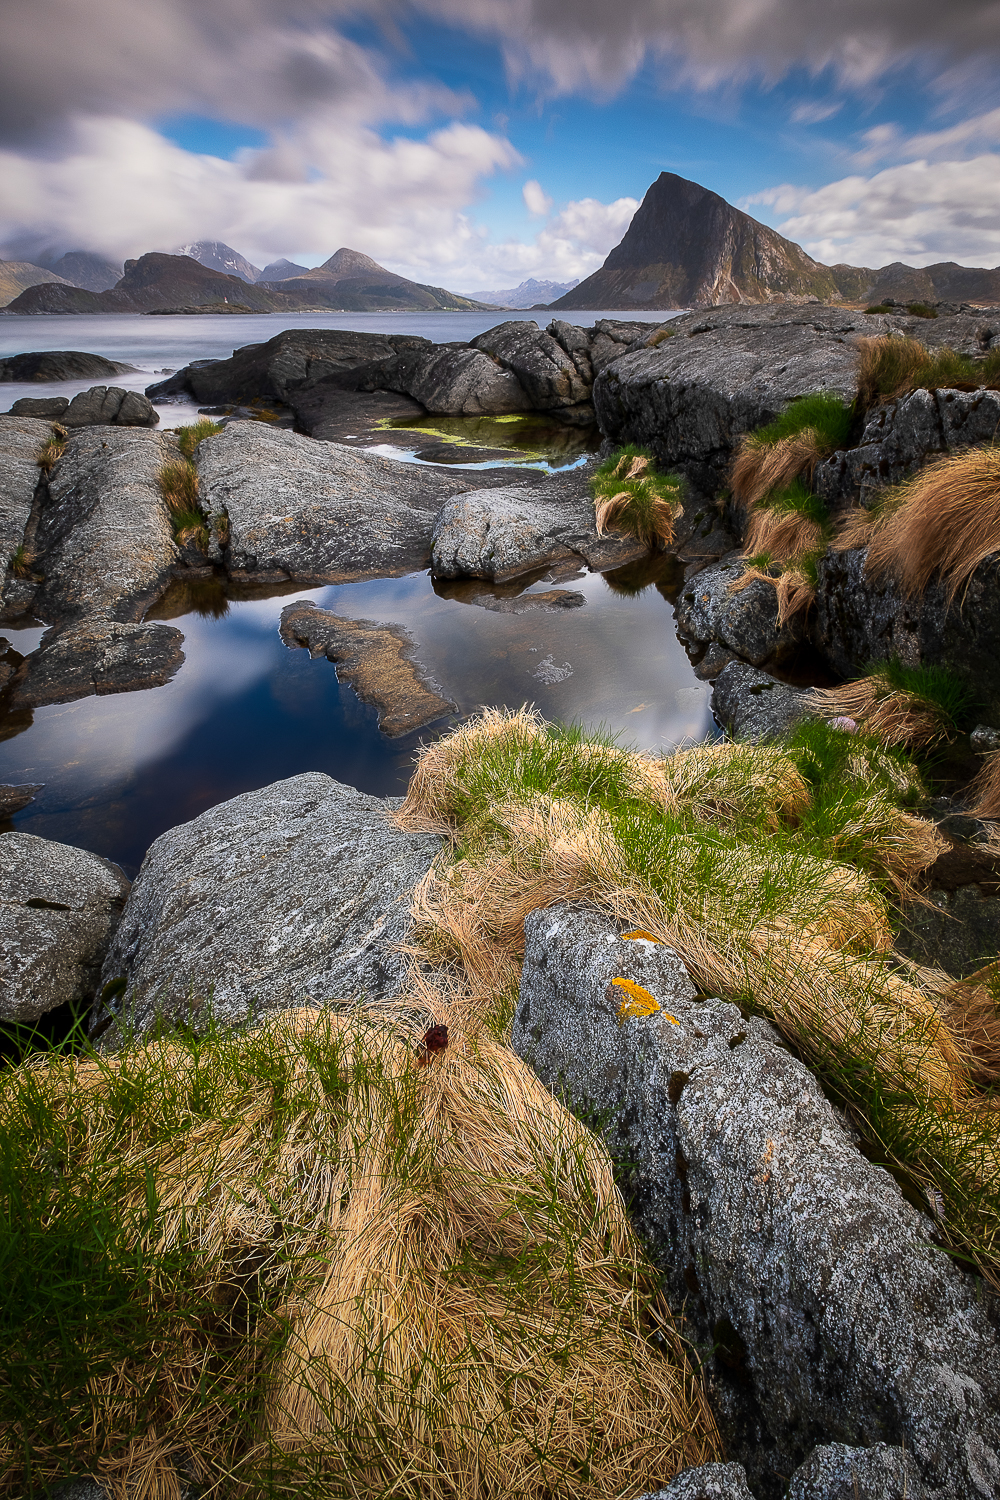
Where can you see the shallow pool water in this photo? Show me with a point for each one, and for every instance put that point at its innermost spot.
(245, 710)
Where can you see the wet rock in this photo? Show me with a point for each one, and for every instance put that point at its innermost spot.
(550, 377)
(20, 440)
(461, 382)
(14, 798)
(59, 909)
(549, 602)
(96, 655)
(753, 705)
(859, 620)
(959, 931)
(44, 407)
(376, 660)
(832, 1317)
(294, 894)
(745, 621)
(60, 364)
(837, 1472)
(317, 512)
(901, 436)
(706, 1482)
(721, 373)
(104, 540)
(499, 533)
(109, 405)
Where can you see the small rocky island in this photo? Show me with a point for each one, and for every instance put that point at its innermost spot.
(700, 1045)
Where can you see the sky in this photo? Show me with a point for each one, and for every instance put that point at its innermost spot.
(475, 143)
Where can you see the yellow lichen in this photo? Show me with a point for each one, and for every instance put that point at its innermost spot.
(642, 1003)
(640, 932)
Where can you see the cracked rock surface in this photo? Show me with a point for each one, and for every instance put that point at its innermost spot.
(58, 909)
(293, 894)
(832, 1315)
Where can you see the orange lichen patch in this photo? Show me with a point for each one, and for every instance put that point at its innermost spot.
(641, 1003)
(640, 932)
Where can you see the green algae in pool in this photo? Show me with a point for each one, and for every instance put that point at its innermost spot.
(245, 710)
(520, 440)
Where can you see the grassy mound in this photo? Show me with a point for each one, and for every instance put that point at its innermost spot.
(326, 1257)
(772, 871)
(632, 496)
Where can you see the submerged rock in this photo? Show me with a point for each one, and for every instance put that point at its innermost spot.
(60, 907)
(500, 533)
(14, 798)
(376, 660)
(295, 894)
(832, 1316)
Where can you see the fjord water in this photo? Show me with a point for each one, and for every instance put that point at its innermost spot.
(245, 710)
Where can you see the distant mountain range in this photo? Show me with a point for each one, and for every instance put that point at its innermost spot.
(160, 283)
(687, 247)
(530, 293)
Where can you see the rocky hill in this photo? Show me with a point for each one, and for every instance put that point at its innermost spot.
(155, 283)
(687, 247)
(17, 275)
(221, 257)
(356, 283)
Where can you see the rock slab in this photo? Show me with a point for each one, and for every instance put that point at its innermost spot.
(753, 705)
(59, 908)
(20, 440)
(744, 620)
(293, 894)
(831, 1315)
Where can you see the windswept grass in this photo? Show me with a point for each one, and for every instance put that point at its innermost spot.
(787, 450)
(632, 496)
(319, 1258)
(943, 521)
(916, 707)
(178, 481)
(788, 524)
(189, 437)
(984, 789)
(52, 449)
(894, 365)
(771, 870)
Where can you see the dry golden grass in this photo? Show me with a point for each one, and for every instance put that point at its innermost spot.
(730, 783)
(761, 468)
(783, 535)
(796, 591)
(984, 789)
(178, 481)
(51, 451)
(855, 530)
(944, 521)
(889, 367)
(891, 715)
(633, 497)
(467, 1310)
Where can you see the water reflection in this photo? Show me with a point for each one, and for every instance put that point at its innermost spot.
(245, 710)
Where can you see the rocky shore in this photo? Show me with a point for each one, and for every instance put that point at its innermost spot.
(844, 1352)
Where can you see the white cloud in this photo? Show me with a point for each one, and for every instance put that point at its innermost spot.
(808, 113)
(919, 212)
(121, 188)
(535, 200)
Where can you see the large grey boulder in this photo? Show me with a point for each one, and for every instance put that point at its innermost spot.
(50, 407)
(706, 1482)
(109, 405)
(837, 1472)
(499, 533)
(59, 908)
(899, 437)
(20, 440)
(744, 621)
(462, 382)
(721, 373)
(316, 512)
(858, 620)
(753, 705)
(832, 1315)
(294, 894)
(552, 378)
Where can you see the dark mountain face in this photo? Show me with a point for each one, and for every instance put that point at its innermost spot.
(281, 270)
(687, 247)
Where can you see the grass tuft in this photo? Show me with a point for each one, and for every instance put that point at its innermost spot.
(893, 365)
(945, 521)
(630, 494)
(311, 1255)
(897, 705)
(189, 437)
(786, 451)
(178, 481)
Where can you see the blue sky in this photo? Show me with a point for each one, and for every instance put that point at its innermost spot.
(477, 143)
